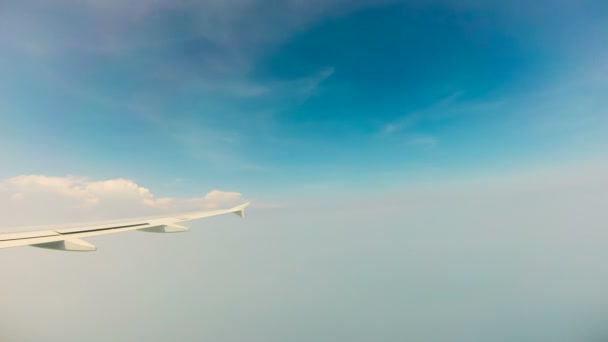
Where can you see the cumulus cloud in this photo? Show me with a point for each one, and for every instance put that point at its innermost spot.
(36, 199)
(217, 197)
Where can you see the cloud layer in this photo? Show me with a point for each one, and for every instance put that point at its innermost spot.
(519, 258)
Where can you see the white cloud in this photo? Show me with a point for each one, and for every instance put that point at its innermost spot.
(39, 199)
(216, 197)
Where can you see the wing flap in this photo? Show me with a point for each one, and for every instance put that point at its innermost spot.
(72, 245)
(166, 228)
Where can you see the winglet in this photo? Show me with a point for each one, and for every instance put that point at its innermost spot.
(240, 210)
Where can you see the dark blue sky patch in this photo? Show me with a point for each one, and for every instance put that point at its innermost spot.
(408, 54)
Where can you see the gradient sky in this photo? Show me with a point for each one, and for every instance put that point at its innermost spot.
(263, 96)
(448, 160)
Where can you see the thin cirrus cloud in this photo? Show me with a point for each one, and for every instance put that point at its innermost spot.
(440, 109)
(422, 140)
(204, 58)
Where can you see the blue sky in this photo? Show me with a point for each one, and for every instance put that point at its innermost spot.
(261, 97)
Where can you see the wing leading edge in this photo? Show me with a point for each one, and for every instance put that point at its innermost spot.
(70, 239)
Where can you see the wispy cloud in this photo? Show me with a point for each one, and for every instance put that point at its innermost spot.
(217, 145)
(406, 129)
(432, 112)
(421, 140)
(236, 32)
(226, 142)
(200, 53)
(399, 125)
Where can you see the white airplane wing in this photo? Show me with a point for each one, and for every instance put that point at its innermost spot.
(70, 238)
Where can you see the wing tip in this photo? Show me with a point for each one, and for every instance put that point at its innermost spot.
(240, 209)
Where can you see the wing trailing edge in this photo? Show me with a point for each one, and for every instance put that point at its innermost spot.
(70, 238)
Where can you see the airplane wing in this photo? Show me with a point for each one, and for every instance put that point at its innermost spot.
(70, 238)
